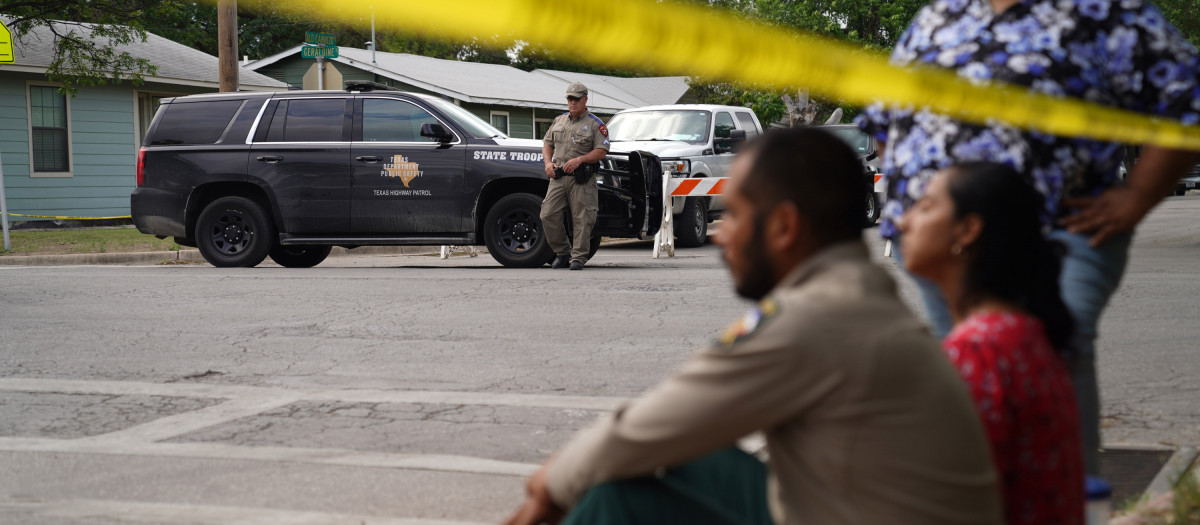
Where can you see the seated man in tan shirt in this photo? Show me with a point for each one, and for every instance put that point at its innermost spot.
(865, 420)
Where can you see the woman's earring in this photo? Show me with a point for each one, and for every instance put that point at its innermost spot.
(956, 250)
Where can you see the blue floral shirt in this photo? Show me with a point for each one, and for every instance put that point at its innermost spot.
(1120, 53)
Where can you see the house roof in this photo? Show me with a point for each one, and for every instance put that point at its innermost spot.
(642, 91)
(177, 63)
(501, 84)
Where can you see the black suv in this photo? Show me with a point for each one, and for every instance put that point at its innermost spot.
(243, 176)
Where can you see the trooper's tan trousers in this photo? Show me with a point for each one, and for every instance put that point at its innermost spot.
(584, 203)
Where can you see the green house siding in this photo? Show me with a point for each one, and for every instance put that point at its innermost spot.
(521, 121)
(103, 150)
(289, 71)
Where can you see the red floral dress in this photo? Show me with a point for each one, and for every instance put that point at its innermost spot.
(1023, 393)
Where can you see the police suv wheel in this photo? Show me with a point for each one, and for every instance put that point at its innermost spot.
(513, 232)
(693, 224)
(233, 232)
(299, 256)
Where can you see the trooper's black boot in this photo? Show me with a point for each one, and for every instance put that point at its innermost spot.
(576, 265)
(561, 261)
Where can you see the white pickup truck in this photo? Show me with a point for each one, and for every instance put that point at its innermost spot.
(692, 140)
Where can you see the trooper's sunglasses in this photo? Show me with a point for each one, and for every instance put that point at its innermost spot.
(574, 99)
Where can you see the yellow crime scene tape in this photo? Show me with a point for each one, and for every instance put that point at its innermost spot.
(68, 218)
(687, 39)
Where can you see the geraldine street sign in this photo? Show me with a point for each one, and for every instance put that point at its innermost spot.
(319, 45)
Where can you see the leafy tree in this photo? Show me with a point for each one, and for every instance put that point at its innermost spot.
(1185, 15)
(86, 37)
(530, 57)
(873, 24)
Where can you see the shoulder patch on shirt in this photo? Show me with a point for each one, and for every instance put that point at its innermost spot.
(750, 323)
(599, 125)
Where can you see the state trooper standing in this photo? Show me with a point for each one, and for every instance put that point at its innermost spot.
(572, 150)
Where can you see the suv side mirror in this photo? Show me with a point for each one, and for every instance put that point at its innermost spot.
(437, 132)
(730, 143)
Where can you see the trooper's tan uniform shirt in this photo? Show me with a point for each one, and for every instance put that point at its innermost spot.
(572, 138)
(865, 419)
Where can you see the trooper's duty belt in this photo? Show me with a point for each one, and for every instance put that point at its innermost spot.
(583, 174)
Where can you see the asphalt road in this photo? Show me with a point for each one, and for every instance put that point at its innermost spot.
(410, 389)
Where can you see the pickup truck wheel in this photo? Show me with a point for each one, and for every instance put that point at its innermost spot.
(693, 224)
(872, 209)
(513, 232)
(233, 232)
(299, 256)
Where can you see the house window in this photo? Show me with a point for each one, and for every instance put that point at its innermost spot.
(147, 104)
(49, 139)
(541, 127)
(500, 121)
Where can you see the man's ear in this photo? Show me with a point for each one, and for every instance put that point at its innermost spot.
(968, 230)
(785, 228)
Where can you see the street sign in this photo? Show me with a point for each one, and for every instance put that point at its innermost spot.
(6, 44)
(319, 52)
(322, 39)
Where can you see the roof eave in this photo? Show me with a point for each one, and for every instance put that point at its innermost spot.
(162, 80)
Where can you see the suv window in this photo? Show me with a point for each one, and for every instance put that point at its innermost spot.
(385, 120)
(747, 123)
(308, 120)
(857, 139)
(723, 125)
(194, 123)
(473, 125)
(689, 126)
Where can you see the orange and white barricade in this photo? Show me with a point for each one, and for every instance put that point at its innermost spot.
(664, 240)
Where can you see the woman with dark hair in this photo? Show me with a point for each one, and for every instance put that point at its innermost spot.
(976, 234)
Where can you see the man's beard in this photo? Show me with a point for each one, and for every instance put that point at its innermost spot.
(758, 277)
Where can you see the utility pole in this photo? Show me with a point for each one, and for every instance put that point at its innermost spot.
(227, 44)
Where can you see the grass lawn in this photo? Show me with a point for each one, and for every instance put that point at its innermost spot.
(88, 240)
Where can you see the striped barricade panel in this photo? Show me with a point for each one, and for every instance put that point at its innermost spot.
(664, 240)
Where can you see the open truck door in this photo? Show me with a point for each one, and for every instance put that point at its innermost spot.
(631, 196)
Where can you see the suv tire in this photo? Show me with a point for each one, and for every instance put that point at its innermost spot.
(872, 209)
(513, 232)
(299, 256)
(233, 232)
(693, 224)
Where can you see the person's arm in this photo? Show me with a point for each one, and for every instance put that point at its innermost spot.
(547, 156)
(717, 397)
(1120, 209)
(538, 506)
(592, 156)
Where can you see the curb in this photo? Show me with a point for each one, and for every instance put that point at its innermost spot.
(192, 255)
(184, 256)
(1182, 460)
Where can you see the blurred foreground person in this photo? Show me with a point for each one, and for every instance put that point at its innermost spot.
(865, 420)
(976, 235)
(1119, 53)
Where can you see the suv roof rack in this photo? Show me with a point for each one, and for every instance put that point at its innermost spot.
(366, 85)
